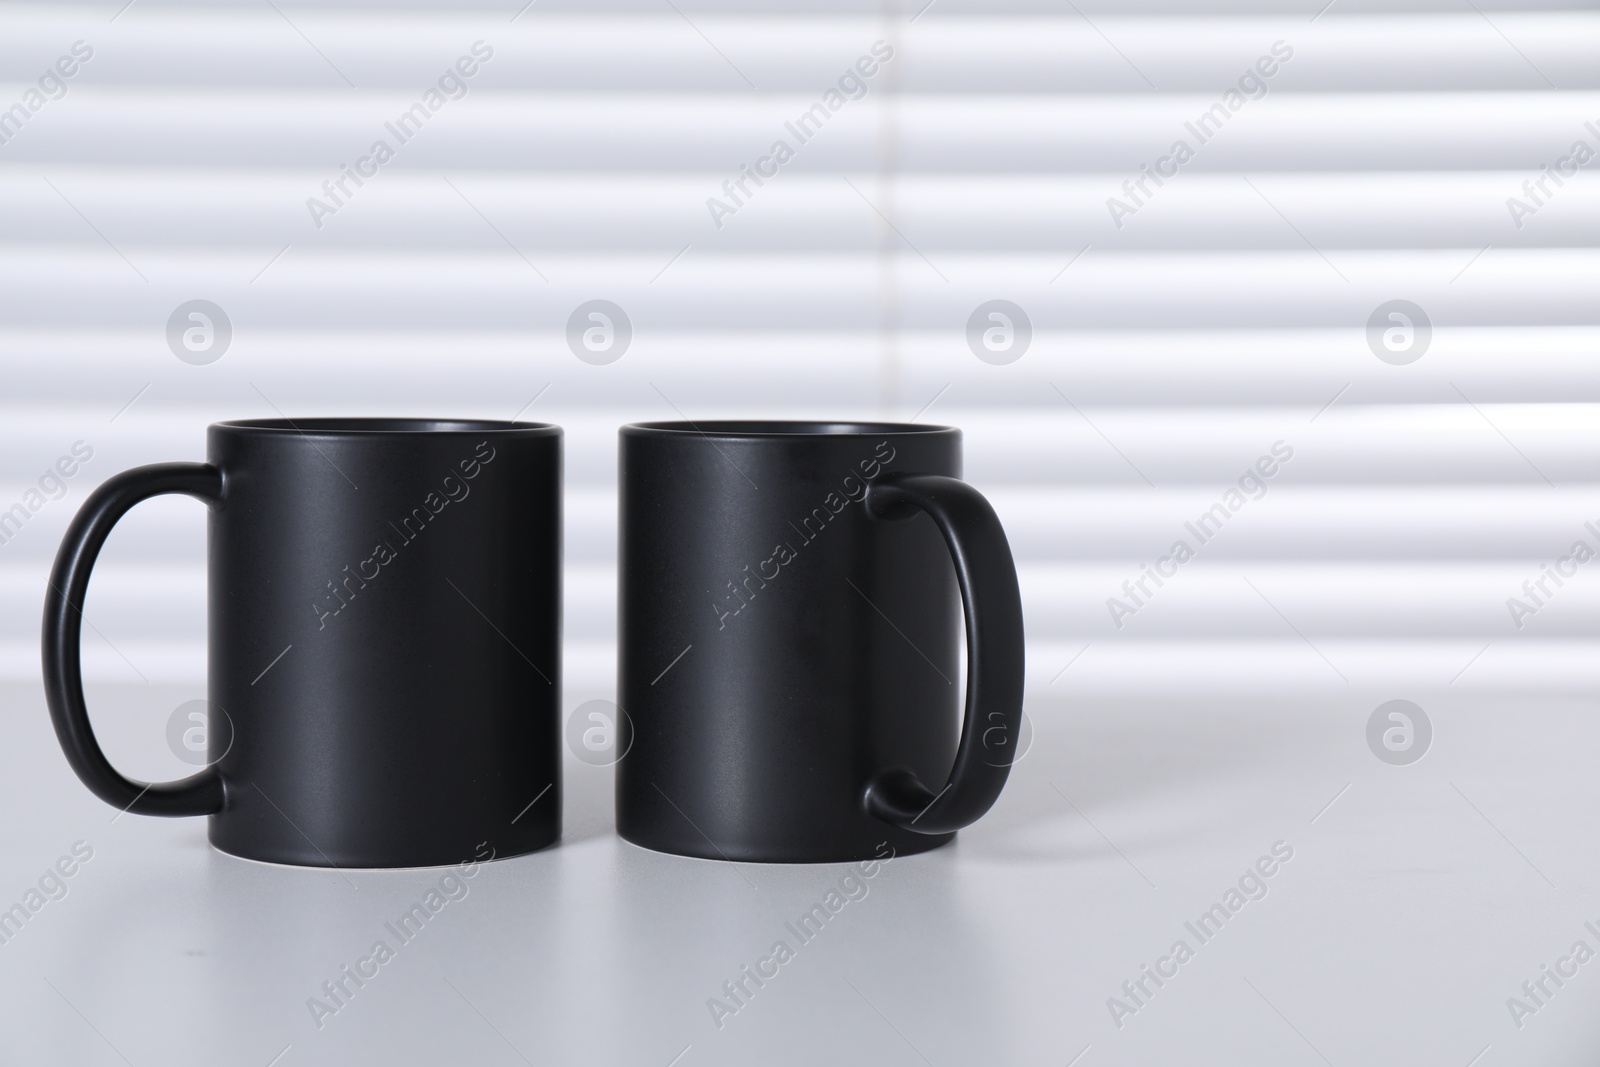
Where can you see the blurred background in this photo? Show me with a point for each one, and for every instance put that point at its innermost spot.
(1373, 270)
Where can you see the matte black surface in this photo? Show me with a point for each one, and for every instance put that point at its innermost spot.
(789, 628)
(385, 607)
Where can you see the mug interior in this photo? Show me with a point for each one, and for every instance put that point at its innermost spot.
(368, 425)
(784, 428)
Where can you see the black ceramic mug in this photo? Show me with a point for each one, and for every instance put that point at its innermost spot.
(384, 639)
(790, 628)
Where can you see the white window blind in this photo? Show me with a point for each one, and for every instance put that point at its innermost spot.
(1184, 334)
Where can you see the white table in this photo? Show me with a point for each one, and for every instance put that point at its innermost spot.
(1415, 904)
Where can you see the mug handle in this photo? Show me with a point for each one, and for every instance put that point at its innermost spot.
(995, 662)
(199, 794)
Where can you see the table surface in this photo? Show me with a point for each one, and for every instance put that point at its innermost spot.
(1416, 903)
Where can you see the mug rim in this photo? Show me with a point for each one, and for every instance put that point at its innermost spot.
(787, 429)
(378, 425)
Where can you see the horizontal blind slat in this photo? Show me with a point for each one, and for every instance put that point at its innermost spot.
(331, 289)
(70, 375)
(658, 51)
(666, 133)
(806, 214)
